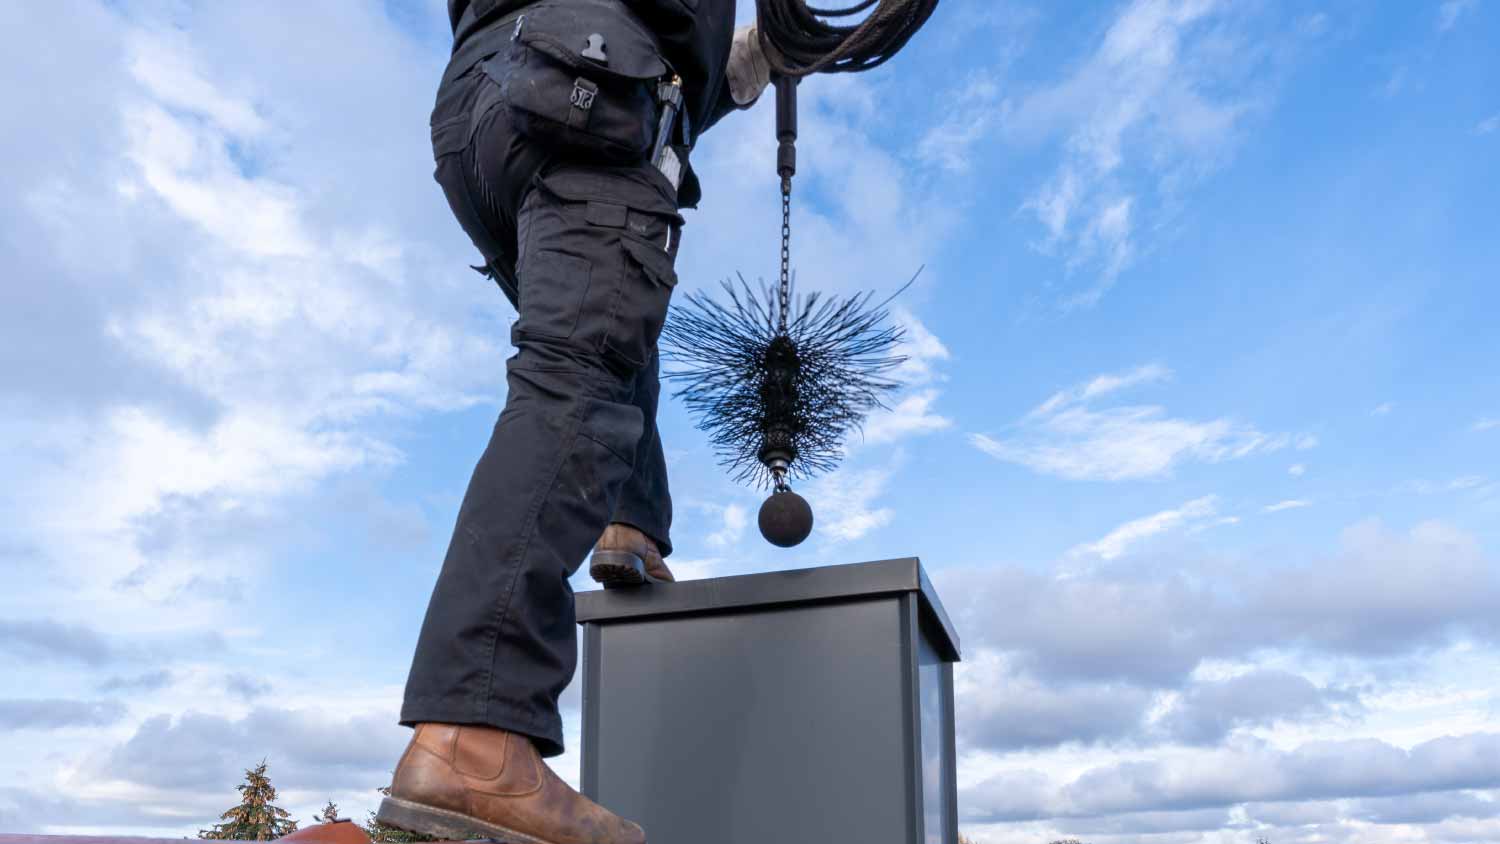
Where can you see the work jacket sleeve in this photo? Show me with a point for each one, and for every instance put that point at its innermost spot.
(722, 105)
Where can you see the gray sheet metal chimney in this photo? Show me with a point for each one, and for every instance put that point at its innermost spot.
(796, 707)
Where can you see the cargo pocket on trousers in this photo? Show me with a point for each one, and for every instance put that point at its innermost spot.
(646, 282)
(553, 288)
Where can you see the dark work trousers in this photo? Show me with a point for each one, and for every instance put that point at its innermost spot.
(584, 251)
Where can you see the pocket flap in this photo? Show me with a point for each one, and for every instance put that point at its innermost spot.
(634, 188)
(578, 33)
(656, 262)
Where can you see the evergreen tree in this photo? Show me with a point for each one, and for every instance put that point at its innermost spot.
(257, 818)
(329, 814)
(381, 834)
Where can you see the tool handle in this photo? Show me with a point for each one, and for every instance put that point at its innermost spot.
(669, 95)
(786, 129)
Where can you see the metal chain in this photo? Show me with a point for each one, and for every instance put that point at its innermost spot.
(786, 253)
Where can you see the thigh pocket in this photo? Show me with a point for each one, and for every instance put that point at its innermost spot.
(626, 227)
(553, 290)
(646, 282)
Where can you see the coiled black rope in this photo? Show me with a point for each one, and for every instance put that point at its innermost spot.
(805, 42)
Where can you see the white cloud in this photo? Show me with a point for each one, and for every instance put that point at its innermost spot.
(977, 107)
(1488, 125)
(1451, 10)
(1178, 693)
(909, 416)
(950, 144)
(1208, 710)
(285, 328)
(1396, 82)
(696, 568)
(1486, 424)
(165, 63)
(43, 714)
(911, 413)
(186, 164)
(1002, 708)
(1119, 540)
(1156, 106)
(845, 503)
(1229, 776)
(921, 348)
(1155, 619)
(1289, 504)
(736, 518)
(1382, 409)
(1068, 436)
(1458, 484)
(1297, 470)
(1105, 384)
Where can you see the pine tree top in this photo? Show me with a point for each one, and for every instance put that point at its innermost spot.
(257, 817)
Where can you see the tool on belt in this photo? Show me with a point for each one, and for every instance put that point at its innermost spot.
(663, 154)
(779, 383)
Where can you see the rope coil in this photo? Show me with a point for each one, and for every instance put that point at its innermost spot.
(805, 42)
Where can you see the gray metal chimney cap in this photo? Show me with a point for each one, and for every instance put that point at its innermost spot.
(798, 586)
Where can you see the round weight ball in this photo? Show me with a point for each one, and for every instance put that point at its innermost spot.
(785, 519)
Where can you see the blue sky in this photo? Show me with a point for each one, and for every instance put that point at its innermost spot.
(1200, 432)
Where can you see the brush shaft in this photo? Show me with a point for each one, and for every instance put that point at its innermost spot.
(786, 128)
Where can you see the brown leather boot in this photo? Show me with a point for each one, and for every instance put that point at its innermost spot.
(624, 556)
(466, 782)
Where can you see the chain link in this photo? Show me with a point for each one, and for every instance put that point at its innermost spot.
(786, 254)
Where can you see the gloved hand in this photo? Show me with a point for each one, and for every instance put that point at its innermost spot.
(749, 72)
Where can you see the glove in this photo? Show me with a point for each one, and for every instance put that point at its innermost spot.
(749, 72)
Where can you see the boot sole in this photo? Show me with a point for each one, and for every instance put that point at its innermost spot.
(619, 570)
(441, 823)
